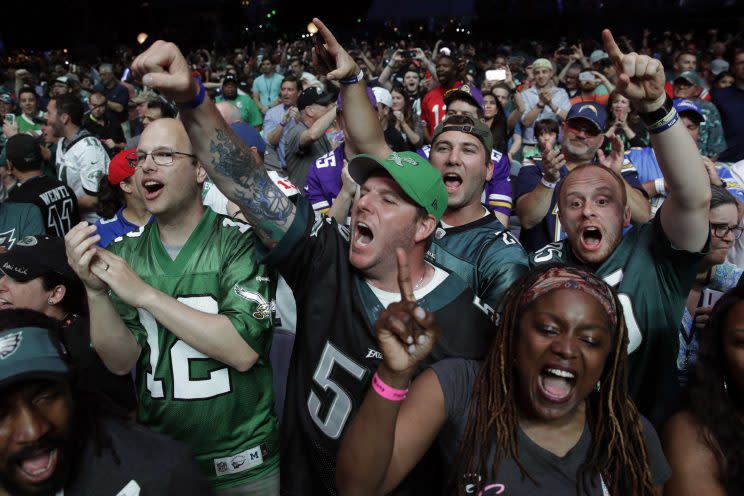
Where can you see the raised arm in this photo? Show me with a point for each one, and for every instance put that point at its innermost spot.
(364, 130)
(684, 216)
(388, 436)
(235, 169)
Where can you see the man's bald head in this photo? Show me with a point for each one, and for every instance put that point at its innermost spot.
(165, 132)
(229, 112)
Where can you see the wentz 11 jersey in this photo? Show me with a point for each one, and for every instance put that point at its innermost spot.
(485, 254)
(335, 350)
(225, 416)
(652, 280)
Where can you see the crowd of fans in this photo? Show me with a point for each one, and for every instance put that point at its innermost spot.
(375, 267)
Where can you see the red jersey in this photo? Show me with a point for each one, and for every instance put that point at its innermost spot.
(433, 108)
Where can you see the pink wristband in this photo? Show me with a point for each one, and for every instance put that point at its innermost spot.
(387, 392)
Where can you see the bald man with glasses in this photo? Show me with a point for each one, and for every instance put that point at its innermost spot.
(189, 310)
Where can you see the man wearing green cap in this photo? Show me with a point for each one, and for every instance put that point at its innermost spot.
(56, 439)
(711, 141)
(342, 279)
(470, 241)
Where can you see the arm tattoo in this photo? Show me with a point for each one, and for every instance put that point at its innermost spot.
(245, 182)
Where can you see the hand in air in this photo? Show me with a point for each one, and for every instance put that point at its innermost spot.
(405, 332)
(329, 56)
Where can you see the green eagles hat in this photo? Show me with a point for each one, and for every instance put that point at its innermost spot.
(414, 174)
(28, 353)
(468, 125)
(690, 77)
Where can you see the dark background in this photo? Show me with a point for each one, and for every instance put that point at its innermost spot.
(94, 29)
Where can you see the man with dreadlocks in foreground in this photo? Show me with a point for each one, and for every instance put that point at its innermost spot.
(510, 424)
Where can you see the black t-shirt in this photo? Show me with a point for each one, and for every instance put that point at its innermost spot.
(143, 459)
(335, 350)
(554, 474)
(91, 374)
(56, 201)
(108, 129)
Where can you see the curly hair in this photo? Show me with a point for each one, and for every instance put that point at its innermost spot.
(716, 403)
(617, 451)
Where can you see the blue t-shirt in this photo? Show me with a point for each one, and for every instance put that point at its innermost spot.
(110, 229)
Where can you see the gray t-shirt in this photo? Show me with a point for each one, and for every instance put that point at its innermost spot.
(299, 159)
(555, 475)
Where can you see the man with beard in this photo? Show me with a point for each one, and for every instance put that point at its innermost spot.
(81, 159)
(449, 73)
(57, 439)
(581, 139)
(245, 104)
(653, 266)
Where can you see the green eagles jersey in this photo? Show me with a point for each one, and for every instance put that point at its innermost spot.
(225, 416)
(249, 111)
(484, 254)
(18, 220)
(652, 280)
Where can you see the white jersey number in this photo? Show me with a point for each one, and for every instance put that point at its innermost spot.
(181, 355)
(340, 407)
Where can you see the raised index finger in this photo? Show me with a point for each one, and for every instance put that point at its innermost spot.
(325, 32)
(404, 276)
(616, 55)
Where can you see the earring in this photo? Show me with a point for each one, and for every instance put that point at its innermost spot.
(597, 386)
(50, 301)
(725, 386)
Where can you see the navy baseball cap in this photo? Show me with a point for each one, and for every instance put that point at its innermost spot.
(250, 136)
(30, 353)
(590, 111)
(313, 95)
(467, 92)
(690, 108)
(229, 79)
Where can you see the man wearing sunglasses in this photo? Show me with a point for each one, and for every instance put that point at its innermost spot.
(109, 132)
(581, 141)
(191, 316)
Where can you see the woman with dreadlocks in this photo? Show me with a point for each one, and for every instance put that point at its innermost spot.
(546, 413)
(705, 441)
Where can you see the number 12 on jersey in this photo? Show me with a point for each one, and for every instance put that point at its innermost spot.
(181, 356)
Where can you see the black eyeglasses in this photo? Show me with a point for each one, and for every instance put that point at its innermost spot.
(160, 157)
(721, 230)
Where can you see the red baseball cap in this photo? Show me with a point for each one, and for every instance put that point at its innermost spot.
(119, 168)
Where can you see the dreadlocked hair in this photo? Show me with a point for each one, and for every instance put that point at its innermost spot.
(617, 451)
(715, 402)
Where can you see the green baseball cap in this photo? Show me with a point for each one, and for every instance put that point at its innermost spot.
(690, 77)
(413, 173)
(468, 125)
(29, 353)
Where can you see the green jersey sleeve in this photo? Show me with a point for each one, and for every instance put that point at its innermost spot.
(246, 288)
